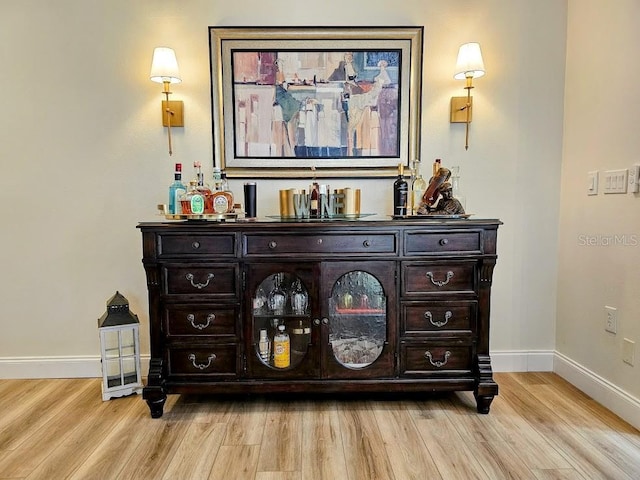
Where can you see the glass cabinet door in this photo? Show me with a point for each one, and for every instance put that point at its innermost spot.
(359, 320)
(281, 333)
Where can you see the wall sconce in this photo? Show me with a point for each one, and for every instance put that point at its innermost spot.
(468, 66)
(164, 69)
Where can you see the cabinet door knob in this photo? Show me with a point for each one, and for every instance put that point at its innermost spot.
(273, 244)
(195, 245)
(444, 241)
(325, 321)
(367, 243)
(316, 321)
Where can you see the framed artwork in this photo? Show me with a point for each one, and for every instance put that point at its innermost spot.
(338, 101)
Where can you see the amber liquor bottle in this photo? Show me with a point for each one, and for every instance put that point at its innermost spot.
(400, 193)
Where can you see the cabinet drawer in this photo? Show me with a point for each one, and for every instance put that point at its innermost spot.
(200, 320)
(434, 243)
(429, 317)
(335, 244)
(197, 244)
(219, 279)
(450, 277)
(421, 359)
(200, 360)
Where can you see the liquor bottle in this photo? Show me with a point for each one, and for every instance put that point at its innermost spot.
(222, 196)
(217, 179)
(400, 192)
(193, 200)
(419, 186)
(314, 194)
(436, 167)
(281, 348)
(203, 188)
(176, 190)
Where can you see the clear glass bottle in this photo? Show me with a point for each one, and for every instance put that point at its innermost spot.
(419, 186)
(400, 192)
(281, 348)
(455, 187)
(176, 190)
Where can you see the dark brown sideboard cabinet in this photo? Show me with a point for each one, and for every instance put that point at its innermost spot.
(368, 305)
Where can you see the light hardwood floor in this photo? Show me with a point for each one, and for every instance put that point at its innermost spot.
(540, 427)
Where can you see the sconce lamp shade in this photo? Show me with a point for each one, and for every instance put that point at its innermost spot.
(164, 66)
(469, 63)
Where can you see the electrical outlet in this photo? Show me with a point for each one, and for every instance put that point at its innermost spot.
(628, 351)
(611, 319)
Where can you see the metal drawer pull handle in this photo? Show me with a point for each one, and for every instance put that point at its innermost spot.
(438, 283)
(199, 286)
(201, 366)
(367, 243)
(437, 363)
(195, 245)
(443, 241)
(201, 326)
(447, 316)
(273, 244)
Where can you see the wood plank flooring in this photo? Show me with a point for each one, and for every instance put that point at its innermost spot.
(540, 427)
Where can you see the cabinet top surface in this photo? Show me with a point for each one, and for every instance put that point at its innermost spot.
(371, 222)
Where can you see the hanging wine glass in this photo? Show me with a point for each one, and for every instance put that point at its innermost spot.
(277, 298)
(299, 299)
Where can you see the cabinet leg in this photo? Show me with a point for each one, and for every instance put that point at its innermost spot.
(156, 407)
(154, 392)
(484, 403)
(486, 388)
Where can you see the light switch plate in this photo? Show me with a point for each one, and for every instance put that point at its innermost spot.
(615, 181)
(592, 183)
(634, 179)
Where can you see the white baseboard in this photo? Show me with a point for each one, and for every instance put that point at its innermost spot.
(89, 366)
(57, 367)
(604, 392)
(620, 402)
(522, 361)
